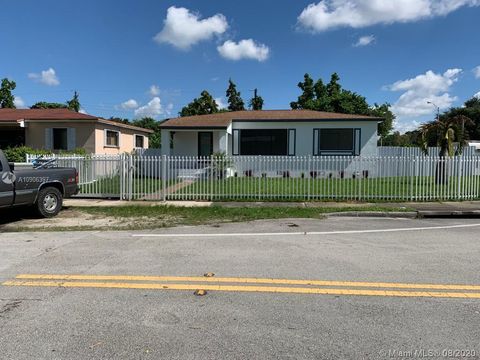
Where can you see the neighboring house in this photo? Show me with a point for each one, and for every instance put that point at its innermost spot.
(474, 144)
(63, 129)
(271, 132)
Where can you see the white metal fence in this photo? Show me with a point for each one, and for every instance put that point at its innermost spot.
(261, 178)
(416, 151)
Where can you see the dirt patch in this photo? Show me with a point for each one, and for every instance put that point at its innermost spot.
(68, 220)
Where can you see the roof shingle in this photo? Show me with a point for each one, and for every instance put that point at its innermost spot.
(223, 120)
(42, 114)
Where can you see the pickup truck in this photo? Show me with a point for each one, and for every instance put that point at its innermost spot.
(44, 189)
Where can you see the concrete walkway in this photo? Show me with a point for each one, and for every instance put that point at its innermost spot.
(424, 209)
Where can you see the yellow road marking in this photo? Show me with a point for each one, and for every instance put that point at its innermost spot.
(249, 281)
(232, 288)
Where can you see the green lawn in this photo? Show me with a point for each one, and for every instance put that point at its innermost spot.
(111, 186)
(392, 188)
(294, 189)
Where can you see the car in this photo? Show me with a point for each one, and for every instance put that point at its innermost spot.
(43, 188)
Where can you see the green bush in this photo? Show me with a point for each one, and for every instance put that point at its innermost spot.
(19, 154)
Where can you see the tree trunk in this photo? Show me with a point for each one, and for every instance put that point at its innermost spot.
(441, 172)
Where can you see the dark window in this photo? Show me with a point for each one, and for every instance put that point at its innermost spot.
(112, 138)
(205, 143)
(336, 140)
(60, 139)
(139, 141)
(264, 142)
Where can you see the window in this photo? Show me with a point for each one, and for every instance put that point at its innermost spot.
(337, 141)
(264, 142)
(139, 141)
(112, 138)
(60, 139)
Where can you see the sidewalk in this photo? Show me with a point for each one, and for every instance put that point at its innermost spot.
(465, 208)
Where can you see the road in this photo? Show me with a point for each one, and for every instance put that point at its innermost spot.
(340, 288)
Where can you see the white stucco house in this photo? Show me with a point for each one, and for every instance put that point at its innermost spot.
(271, 132)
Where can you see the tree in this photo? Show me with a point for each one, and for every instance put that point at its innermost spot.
(74, 103)
(205, 104)
(333, 98)
(307, 99)
(410, 138)
(48, 105)
(154, 140)
(383, 111)
(471, 109)
(7, 100)
(446, 130)
(256, 103)
(235, 101)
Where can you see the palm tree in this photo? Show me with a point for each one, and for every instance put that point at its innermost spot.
(446, 131)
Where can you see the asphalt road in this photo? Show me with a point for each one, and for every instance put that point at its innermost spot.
(386, 288)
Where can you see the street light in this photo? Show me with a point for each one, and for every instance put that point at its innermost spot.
(437, 107)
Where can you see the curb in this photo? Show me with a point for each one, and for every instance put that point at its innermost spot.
(378, 214)
(449, 213)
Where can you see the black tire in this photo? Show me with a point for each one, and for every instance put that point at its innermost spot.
(49, 202)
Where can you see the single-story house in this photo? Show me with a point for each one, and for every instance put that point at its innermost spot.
(63, 129)
(271, 132)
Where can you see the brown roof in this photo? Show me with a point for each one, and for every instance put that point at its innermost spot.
(42, 114)
(126, 126)
(15, 115)
(223, 120)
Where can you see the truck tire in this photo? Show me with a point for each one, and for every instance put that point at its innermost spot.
(49, 202)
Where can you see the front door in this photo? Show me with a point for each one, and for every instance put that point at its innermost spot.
(205, 143)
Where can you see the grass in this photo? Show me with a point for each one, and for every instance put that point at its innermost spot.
(393, 188)
(111, 186)
(294, 189)
(173, 215)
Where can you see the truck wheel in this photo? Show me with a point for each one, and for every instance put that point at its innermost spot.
(49, 202)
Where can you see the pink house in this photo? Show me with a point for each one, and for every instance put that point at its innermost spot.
(63, 129)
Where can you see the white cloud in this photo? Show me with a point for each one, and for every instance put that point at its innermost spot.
(154, 91)
(19, 103)
(169, 109)
(476, 71)
(47, 77)
(404, 126)
(428, 87)
(83, 111)
(182, 28)
(152, 109)
(365, 40)
(331, 14)
(477, 95)
(220, 103)
(129, 104)
(244, 49)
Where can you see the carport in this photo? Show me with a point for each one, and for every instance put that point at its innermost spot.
(11, 134)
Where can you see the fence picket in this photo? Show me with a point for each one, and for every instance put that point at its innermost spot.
(409, 177)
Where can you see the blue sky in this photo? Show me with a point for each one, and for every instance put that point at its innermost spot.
(113, 52)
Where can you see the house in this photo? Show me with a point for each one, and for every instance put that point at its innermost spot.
(271, 132)
(63, 129)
